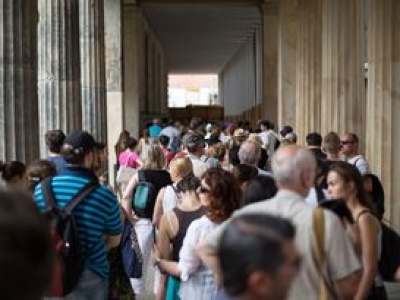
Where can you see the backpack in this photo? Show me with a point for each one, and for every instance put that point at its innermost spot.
(390, 256)
(70, 258)
(144, 197)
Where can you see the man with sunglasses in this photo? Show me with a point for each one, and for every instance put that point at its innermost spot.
(349, 143)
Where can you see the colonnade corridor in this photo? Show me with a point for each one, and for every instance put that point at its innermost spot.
(102, 66)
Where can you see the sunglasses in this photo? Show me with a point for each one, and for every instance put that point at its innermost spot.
(203, 190)
(346, 142)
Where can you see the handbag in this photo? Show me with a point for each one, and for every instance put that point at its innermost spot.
(326, 289)
(131, 254)
(125, 173)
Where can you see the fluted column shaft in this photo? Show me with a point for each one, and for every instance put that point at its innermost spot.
(18, 91)
(91, 34)
(343, 103)
(113, 41)
(269, 106)
(58, 66)
(308, 80)
(287, 62)
(383, 99)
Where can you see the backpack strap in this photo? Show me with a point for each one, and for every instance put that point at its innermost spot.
(320, 194)
(86, 190)
(48, 195)
(50, 203)
(141, 175)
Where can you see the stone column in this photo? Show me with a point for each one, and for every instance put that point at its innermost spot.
(150, 75)
(114, 76)
(58, 67)
(132, 60)
(18, 91)
(308, 87)
(91, 34)
(383, 101)
(287, 62)
(343, 102)
(269, 104)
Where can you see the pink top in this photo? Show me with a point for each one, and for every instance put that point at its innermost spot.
(128, 159)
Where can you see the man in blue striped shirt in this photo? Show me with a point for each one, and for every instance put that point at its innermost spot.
(97, 216)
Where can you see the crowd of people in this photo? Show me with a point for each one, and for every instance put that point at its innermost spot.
(216, 211)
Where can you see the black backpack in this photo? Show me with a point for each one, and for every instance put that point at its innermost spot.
(144, 197)
(390, 256)
(70, 258)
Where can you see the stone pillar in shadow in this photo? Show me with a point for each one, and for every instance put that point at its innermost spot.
(342, 92)
(92, 55)
(269, 106)
(58, 67)
(287, 62)
(383, 100)
(18, 91)
(308, 79)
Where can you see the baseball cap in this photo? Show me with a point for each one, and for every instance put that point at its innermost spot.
(83, 141)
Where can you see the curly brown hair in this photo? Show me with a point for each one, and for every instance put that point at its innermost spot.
(225, 194)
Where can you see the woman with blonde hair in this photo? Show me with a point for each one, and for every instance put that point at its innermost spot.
(168, 197)
(153, 174)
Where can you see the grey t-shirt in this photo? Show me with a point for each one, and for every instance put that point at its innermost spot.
(340, 255)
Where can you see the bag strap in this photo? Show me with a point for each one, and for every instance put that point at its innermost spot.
(49, 200)
(355, 162)
(141, 175)
(48, 195)
(86, 190)
(320, 194)
(319, 248)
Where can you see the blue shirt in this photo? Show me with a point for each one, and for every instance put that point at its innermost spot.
(96, 215)
(59, 162)
(154, 130)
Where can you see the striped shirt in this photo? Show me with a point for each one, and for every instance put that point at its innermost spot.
(96, 215)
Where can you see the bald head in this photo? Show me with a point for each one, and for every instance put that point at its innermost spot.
(294, 168)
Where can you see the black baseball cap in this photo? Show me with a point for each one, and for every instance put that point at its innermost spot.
(83, 141)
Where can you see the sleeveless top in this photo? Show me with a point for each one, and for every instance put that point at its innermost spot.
(170, 198)
(184, 219)
(378, 278)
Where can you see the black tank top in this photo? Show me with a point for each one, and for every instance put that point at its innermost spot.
(184, 219)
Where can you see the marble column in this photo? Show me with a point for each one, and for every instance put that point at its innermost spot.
(308, 79)
(133, 40)
(383, 100)
(287, 62)
(269, 106)
(114, 76)
(19, 129)
(91, 34)
(150, 76)
(58, 67)
(343, 97)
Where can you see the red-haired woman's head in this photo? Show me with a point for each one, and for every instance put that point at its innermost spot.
(220, 192)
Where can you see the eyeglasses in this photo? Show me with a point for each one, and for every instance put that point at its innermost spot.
(203, 190)
(346, 142)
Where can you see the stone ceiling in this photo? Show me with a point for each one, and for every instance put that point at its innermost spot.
(202, 37)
